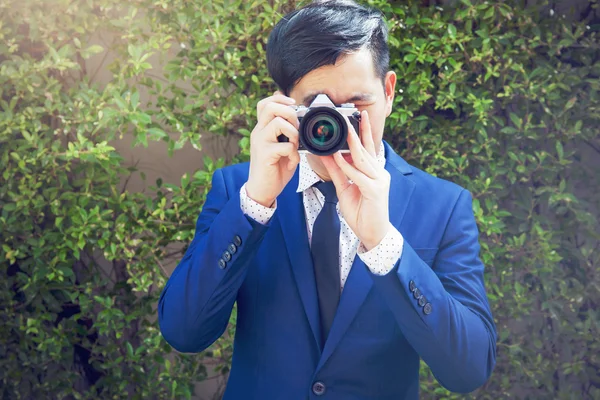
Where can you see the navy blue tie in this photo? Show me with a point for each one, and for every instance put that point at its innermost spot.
(325, 245)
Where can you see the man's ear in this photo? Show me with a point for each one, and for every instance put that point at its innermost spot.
(390, 90)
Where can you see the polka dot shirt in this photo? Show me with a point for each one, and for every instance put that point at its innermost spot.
(380, 259)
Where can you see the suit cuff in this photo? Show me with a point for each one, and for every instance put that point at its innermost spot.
(382, 258)
(252, 209)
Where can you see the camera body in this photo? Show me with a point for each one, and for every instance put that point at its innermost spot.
(323, 129)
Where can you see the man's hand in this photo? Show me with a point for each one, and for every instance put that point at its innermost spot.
(364, 204)
(272, 164)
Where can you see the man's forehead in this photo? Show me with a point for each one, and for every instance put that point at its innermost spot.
(338, 97)
(351, 79)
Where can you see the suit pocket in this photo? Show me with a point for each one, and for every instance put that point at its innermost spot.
(427, 254)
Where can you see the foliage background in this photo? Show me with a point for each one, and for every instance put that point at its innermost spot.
(501, 98)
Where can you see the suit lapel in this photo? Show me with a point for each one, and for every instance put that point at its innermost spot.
(401, 185)
(359, 280)
(290, 212)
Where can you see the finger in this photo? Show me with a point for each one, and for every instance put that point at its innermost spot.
(351, 172)
(339, 179)
(277, 97)
(274, 109)
(293, 163)
(360, 156)
(279, 126)
(279, 150)
(366, 135)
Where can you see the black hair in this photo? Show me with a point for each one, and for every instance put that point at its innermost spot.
(321, 32)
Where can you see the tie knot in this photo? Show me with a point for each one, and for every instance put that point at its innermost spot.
(328, 190)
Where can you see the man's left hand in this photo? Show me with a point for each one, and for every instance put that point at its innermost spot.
(364, 203)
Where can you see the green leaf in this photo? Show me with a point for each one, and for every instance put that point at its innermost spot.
(157, 133)
(92, 50)
(489, 13)
(509, 130)
(559, 150)
(135, 99)
(451, 30)
(570, 103)
(120, 102)
(95, 49)
(129, 349)
(516, 120)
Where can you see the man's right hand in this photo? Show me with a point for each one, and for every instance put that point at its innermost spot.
(272, 163)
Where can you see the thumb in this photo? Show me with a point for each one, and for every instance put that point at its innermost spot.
(335, 173)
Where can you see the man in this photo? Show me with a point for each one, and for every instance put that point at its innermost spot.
(400, 246)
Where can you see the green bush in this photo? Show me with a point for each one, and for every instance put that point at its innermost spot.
(498, 98)
(81, 257)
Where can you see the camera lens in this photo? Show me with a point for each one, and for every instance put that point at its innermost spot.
(323, 131)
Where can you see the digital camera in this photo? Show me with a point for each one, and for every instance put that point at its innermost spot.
(323, 129)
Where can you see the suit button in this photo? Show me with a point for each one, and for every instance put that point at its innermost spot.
(412, 286)
(422, 301)
(226, 256)
(427, 309)
(237, 240)
(318, 388)
(222, 263)
(416, 293)
(232, 248)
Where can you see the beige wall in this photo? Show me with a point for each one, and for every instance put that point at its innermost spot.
(154, 160)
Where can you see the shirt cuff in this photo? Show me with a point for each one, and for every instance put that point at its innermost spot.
(252, 209)
(382, 258)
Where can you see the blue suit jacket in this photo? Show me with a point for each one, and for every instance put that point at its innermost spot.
(379, 331)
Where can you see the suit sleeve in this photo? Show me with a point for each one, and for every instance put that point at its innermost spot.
(451, 325)
(195, 304)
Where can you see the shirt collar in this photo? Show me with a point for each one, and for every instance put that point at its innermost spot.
(308, 177)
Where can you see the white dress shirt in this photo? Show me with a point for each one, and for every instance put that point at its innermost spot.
(380, 259)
